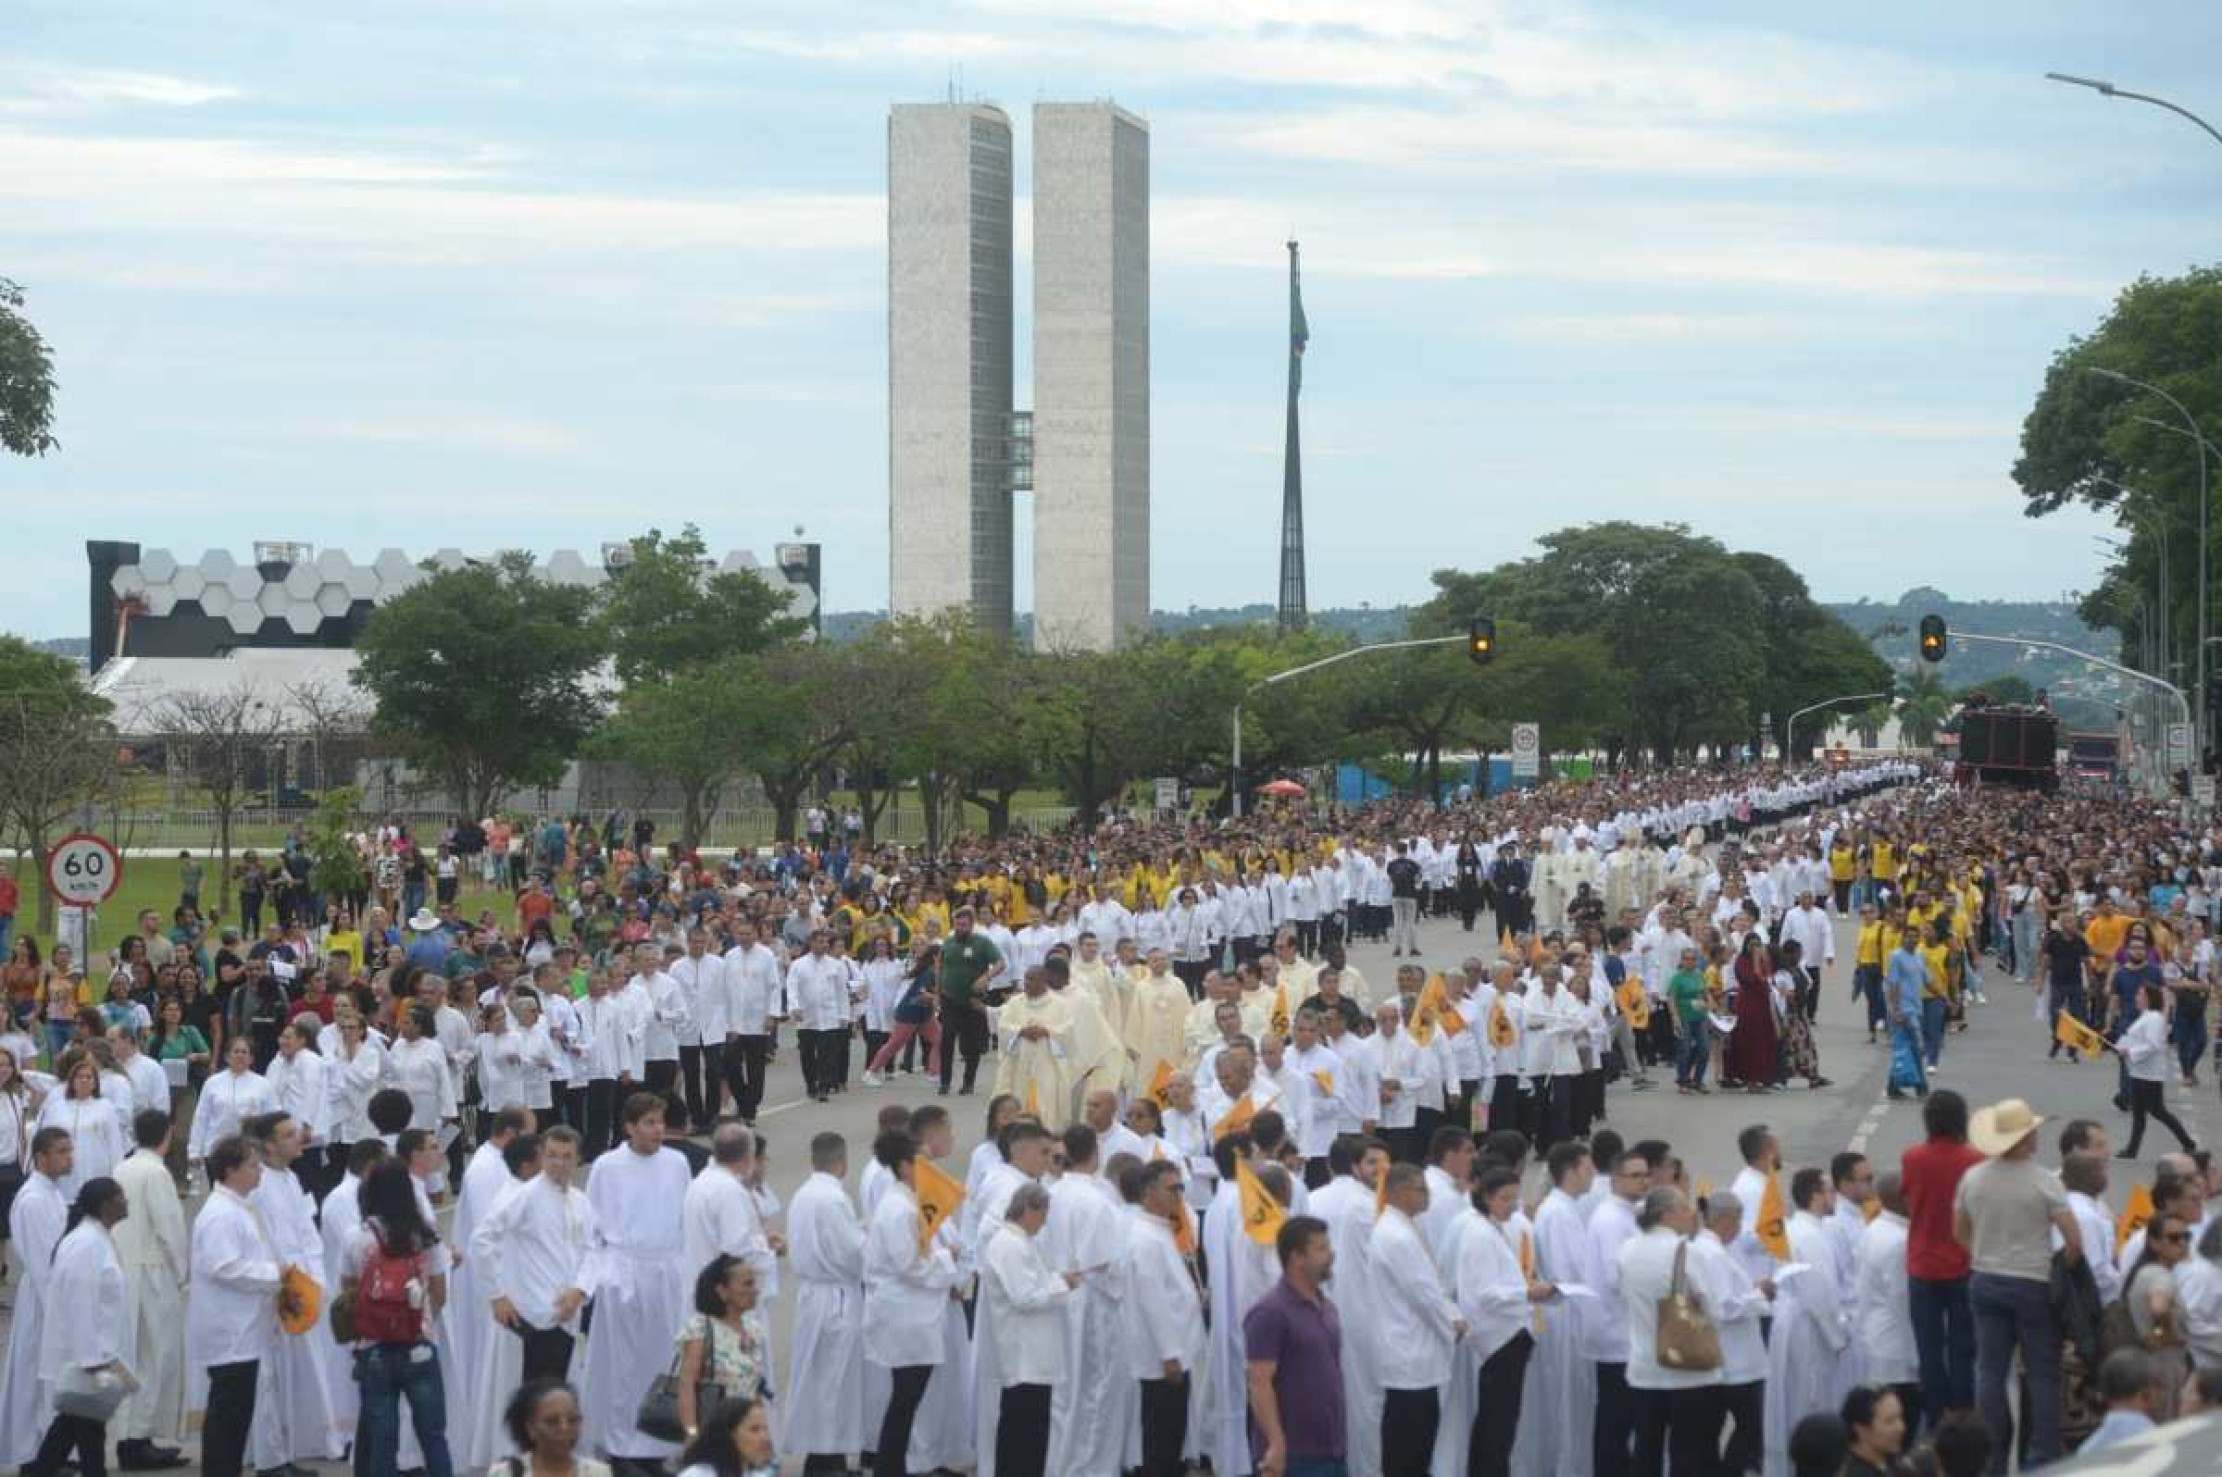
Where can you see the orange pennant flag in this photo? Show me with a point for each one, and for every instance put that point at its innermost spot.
(1772, 1227)
(1634, 1004)
(1237, 1118)
(2076, 1036)
(1160, 1079)
(1504, 941)
(1501, 1034)
(938, 1198)
(1324, 1080)
(1381, 1193)
(1279, 1024)
(1033, 1101)
(1262, 1215)
(1184, 1232)
(2134, 1216)
(1427, 1011)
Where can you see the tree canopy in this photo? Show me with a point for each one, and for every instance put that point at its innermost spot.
(26, 380)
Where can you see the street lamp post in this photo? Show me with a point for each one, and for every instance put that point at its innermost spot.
(1790, 729)
(2199, 442)
(1234, 767)
(2108, 89)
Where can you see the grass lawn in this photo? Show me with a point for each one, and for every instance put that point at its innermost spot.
(151, 882)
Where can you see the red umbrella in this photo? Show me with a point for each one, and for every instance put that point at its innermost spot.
(1285, 788)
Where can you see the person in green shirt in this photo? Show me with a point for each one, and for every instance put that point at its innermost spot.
(1686, 994)
(969, 962)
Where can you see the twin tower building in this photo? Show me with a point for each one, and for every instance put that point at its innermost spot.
(958, 447)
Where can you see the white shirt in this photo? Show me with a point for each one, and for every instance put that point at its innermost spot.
(1743, 1342)
(906, 1290)
(719, 1215)
(1612, 1225)
(228, 1099)
(1413, 1317)
(818, 992)
(232, 1314)
(533, 1245)
(1025, 1302)
(702, 981)
(1491, 1291)
(1882, 1318)
(1163, 1312)
(1644, 1269)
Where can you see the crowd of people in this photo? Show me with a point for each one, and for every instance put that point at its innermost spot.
(1235, 1202)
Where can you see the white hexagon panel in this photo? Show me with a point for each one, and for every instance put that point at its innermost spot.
(216, 600)
(565, 567)
(334, 600)
(303, 616)
(245, 616)
(272, 600)
(245, 584)
(302, 582)
(449, 559)
(127, 582)
(333, 564)
(218, 564)
(394, 568)
(739, 560)
(390, 585)
(188, 582)
(360, 582)
(157, 565)
(160, 599)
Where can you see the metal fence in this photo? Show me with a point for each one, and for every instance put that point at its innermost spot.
(161, 830)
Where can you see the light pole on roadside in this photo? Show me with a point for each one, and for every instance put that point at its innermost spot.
(2199, 442)
(1234, 768)
(2108, 89)
(1790, 729)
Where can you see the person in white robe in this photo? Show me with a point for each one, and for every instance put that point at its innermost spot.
(1416, 1324)
(1346, 1204)
(294, 1422)
(35, 1228)
(152, 1246)
(1090, 1415)
(721, 1214)
(910, 1288)
(1026, 1146)
(534, 1251)
(1036, 1067)
(1157, 1022)
(1743, 1341)
(487, 1175)
(1021, 1309)
(87, 1279)
(78, 1108)
(231, 1317)
(1882, 1314)
(1228, 1254)
(1162, 1318)
(822, 1412)
(637, 1191)
(1559, 1403)
(1809, 1354)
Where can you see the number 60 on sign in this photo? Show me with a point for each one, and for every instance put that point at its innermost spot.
(83, 869)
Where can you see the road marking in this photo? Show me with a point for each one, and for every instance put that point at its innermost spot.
(1868, 1125)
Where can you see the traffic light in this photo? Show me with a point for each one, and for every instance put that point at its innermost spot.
(1481, 639)
(1932, 638)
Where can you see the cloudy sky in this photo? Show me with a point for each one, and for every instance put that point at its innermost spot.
(494, 273)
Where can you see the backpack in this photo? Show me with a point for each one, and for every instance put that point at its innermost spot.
(383, 1311)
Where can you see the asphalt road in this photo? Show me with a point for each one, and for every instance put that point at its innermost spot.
(2002, 1054)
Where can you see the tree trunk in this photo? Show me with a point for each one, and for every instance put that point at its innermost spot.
(38, 884)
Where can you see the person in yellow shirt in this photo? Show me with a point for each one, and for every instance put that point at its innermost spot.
(1869, 956)
(1937, 992)
(2106, 931)
(1843, 870)
(1882, 860)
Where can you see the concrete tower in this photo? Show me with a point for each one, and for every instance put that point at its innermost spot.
(1091, 375)
(949, 339)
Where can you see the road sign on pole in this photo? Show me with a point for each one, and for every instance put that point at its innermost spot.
(2202, 789)
(83, 870)
(1527, 751)
(2179, 744)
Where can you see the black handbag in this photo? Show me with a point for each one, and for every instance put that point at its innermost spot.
(658, 1416)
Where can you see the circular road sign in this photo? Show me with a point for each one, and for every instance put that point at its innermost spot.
(83, 869)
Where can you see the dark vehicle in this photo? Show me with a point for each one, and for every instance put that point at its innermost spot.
(2009, 744)
(2095, 754)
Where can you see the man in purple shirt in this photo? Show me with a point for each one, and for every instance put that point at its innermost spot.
(1293, 1342)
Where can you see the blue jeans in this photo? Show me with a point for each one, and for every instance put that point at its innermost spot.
(1691, 1053)
(1905, 1058)
(1932, 1028)
(1867, 980)
(386, 1373)
(1944, 1337)
(2011, 1311)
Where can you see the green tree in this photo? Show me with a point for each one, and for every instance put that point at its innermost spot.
(797, 727)
(335, 865)
(26, 380)
(2090, 439)
(668, 608)
(1869, 722)
(57, 756)
(692, 731)
(1923, 707)
(220, 741)
(483, 677)
(2007, 687)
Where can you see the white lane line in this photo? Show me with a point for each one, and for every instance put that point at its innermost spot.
(1868, 1125)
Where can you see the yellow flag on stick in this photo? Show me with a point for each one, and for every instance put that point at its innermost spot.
(1184, 1231)
(1501, 1034)
(1033, 1101)
(1160, 1079)
(1428, 1010)
(1634, 1004)
(1237, 1118)
(2134, 1216)
(938, 1198)
(1279, 1024)
(1324, 1080)
(2076, 1036)
(1772, 1225)
(1262, 1215)
(1504, 940)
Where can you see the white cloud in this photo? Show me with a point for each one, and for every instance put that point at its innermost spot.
(53, 90)
(477, 428)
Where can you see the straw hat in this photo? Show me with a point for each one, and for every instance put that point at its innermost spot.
(1999, 1127)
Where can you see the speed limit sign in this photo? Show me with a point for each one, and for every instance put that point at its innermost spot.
(83, 869)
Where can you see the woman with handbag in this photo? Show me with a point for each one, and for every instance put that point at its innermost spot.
(85, 1359)
(723, 1349)
(735, 1441)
